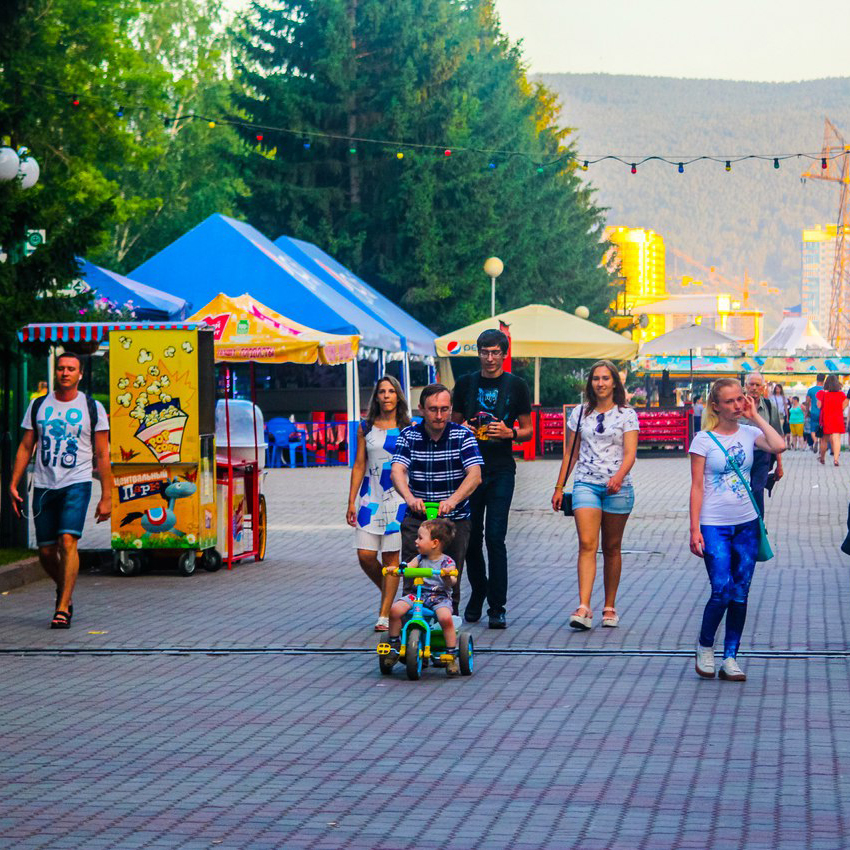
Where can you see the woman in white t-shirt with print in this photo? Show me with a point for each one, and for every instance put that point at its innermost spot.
(725, 528)
(607, 432)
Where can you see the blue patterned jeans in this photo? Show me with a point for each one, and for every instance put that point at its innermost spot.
(730, 559)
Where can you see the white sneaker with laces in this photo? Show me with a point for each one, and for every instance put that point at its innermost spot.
(705, 661)
(730, 671)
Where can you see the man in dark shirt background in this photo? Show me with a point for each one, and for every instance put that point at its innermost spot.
(504, 398)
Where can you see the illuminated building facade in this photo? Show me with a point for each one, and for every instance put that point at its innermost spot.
(640, 255)
(818, 262)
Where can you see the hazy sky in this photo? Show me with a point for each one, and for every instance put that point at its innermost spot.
(759, 40)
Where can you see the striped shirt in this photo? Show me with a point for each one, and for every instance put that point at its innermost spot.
(435, 469)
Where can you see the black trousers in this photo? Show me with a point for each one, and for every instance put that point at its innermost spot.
(457, 551)
(490, 505)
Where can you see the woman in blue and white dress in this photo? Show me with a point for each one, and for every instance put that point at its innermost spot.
(375, 509)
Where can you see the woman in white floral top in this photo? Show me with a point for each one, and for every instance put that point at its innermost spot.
(607, 432)
(375, 509)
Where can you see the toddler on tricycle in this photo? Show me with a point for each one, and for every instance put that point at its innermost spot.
(434, 574)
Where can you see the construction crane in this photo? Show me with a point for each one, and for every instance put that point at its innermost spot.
(835, 167)
(714, 278)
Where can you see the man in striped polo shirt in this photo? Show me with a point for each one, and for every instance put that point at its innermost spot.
(437, 461)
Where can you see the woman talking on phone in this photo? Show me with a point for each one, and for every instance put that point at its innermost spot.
(725, 525)
(605, 429)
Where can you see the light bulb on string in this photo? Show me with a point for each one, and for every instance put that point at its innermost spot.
(306, 145)
(776, 162)
(728, 165)
(259, 137)
(120, 112)
(399, 155)
(681, 168)
(539, 169)
(823, 162)
(75, 101)
(352, 149)
(634, 168)
(447, 152)
(211, 125)
(491, 166)
(584, 166)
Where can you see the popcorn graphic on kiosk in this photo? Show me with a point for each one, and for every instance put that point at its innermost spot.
(161, 429)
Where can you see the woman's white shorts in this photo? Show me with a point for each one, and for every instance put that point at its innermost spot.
(377, 542)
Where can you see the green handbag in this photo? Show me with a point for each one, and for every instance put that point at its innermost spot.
(765, 553)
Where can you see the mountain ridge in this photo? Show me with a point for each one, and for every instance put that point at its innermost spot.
(748, 220)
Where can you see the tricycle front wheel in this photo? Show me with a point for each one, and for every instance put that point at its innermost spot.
(413, 653)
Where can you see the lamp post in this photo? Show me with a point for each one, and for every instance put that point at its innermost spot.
(493, 267)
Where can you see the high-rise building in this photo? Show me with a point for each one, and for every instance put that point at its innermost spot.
(818, 262)
(641, 263)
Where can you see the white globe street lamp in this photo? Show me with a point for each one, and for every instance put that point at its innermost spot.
(18, 165)
(9, 163)
(582, 312)
(493, 267)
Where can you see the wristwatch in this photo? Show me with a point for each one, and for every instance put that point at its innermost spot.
(516, 435)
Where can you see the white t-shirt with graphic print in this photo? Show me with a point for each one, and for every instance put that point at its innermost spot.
(63, 441)
(600, 453)
(725, 500)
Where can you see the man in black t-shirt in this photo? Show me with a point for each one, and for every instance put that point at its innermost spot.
(489, 401)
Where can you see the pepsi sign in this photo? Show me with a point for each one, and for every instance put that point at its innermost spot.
(454, 347)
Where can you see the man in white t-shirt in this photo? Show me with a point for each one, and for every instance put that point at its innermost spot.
(69, 431)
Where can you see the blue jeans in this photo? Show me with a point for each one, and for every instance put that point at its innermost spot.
(730, 559)
(490, 505)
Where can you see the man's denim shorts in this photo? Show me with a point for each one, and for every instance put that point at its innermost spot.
(586, 495)
(61, 511)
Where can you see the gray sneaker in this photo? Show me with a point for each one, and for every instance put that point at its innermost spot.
(705, 661)
(453, 667)
(730, 671)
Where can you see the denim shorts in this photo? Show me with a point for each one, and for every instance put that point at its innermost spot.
(586, 495)
(61, 511)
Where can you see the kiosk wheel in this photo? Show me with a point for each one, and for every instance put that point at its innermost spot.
(211, 560)
(126, 564)
(413, 653)
(186, 563)
(262, 521)
(464, 653)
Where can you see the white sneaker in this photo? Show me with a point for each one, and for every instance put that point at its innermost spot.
(705, 661)
(730, 671)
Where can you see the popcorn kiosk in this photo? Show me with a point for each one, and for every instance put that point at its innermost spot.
(162, 440)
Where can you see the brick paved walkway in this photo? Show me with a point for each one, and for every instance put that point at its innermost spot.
(317, 751)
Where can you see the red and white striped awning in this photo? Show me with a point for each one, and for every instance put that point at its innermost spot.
(94, 331)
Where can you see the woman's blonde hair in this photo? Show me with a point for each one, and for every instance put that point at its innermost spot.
(402, 413)
(709, 415)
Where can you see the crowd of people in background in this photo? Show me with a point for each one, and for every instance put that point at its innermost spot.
(459, 460)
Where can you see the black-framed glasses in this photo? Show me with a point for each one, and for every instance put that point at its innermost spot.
(600, 423)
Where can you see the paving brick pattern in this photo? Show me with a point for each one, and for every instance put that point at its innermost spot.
(534, 751)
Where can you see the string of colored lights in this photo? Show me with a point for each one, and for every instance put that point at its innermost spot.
(399, 147)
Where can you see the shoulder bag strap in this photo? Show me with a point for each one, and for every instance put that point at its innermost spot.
(738, 470)
(576, 438)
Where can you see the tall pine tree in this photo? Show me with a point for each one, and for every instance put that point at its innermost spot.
(430, 73)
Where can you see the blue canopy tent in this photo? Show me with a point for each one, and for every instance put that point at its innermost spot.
(415, 337)
(224, 255)
(148, 303)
